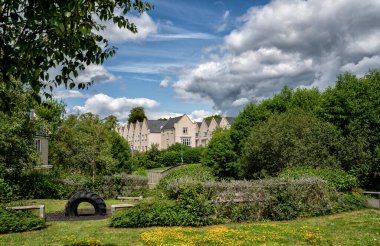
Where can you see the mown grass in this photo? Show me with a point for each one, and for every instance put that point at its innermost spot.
(350, 228)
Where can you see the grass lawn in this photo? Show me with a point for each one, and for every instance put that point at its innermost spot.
(352, 228)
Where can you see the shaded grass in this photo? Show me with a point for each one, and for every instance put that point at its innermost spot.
(350, 228)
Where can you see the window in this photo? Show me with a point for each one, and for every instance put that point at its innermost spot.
(196, 134)
(186, 141)
(205, 134)
(38, 145)
(184, 130)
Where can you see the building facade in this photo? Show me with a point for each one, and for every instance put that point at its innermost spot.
(164, 133)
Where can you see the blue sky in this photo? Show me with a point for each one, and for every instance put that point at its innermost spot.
(206, 57)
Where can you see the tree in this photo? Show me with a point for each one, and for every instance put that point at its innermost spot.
(17, 132)
(50, 115)
(110, 122)
(37, 36)
(220, 156)
(309, 100)
(83, 145)
(293, 138)
(353, 105)
(121, 152)
(216, 116)
(136, 114)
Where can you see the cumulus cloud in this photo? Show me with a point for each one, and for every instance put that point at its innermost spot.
(286, 42)
(154, 115)
(198, 115)
(95, 73)
(145, 27)
(165, 82)
(69, 94)
(240, 102)
(105, 105)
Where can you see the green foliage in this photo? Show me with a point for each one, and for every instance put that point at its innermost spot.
(191, 209)
(50, 115)
(276, 199)
(216, 116)
(18, 221)
(33, 34)
(136, 114)
(45, 185)
(121, 184)
(220, 156)
(174, 155)
(193, 172)
(336, 178)
(121, 152)
(307, 99)
(349, 201)
(154, 213)
(17, 132)
(6, 192)
(353, 105)
(84, 144)
(294, 138)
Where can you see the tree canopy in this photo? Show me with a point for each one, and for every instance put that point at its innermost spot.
(39, 36)
(136, 114)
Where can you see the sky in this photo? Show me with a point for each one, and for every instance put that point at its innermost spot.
(213, 57)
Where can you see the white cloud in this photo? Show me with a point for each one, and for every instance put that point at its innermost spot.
(145, 27)
(69, 94)
(195, 116)
(104, 105)
(286, 42)
(95, 73)
(223, 26)
(191, 35)
(199, 115)
(240, 102)
(165, 82)
(363, 66)
(153, 115)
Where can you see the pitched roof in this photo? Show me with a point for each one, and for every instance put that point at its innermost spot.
(155, 125)
(170, 123)
(208, 122)
(218, 120)
(230, 120)
(199, 124)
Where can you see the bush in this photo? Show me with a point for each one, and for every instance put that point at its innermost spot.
(276, 199)
(122, 185)
(272, 199)
(18, 221)
(45, 185)
(6, 192)
(73, 183)
(336, 178)
(349, 201)
(165, 213)
(172, 155)
(157, 213)
(220, 156)
(193, 172)
(171, 158)
(293, 138)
